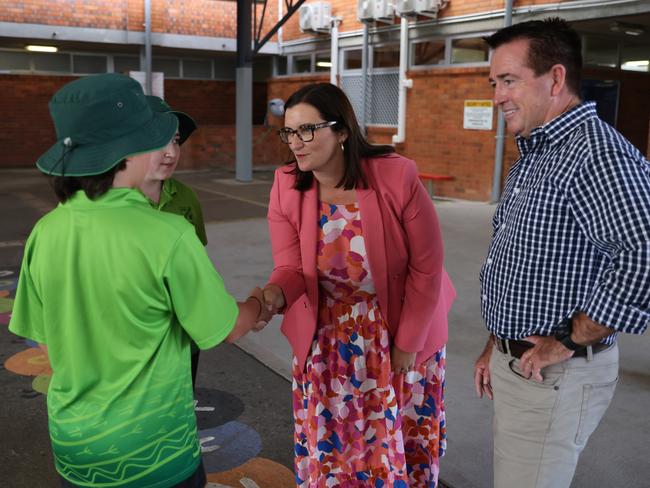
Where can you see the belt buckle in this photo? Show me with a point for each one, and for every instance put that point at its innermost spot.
(502, 345)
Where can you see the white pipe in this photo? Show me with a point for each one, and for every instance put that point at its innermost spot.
(280, 29)
(147, 47)
(334, 54)
(404, 83)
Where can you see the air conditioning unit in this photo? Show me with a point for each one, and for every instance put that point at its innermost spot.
(384, 10)
(428, 8)
(366, 10)
(376, 11)
(315, 17)
(405, 7)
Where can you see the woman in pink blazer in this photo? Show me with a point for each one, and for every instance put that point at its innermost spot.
(359, 277)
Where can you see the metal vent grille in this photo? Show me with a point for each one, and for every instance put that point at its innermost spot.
(382, 97)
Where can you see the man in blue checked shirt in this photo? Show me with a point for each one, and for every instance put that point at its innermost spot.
(569, 263)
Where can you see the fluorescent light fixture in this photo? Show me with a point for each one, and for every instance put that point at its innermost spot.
(641, 65)
(629, 29)
(41, 49)
(324, 64)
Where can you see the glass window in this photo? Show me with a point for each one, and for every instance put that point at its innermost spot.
(353, 59)
(51, 62)
(124, 64)
(323, 62)
(385, 57)
(470, 50)
(225, 68)
(168, 66)
(262, 68)
(429, 52)
(88, 64)
(280, 65)
(197, 68)
(301, 64)
(601, 52)
(14, 60)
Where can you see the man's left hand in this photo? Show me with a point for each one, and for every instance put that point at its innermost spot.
(546, 351)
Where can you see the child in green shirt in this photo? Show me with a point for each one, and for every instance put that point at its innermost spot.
(170, 195)
(113, 290)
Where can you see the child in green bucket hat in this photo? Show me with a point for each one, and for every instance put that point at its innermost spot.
(171, 195)
(114, 291)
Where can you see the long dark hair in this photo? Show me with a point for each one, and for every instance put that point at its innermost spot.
(93, 186)
(333, 105)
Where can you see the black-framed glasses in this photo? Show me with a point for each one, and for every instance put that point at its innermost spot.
(305, 132)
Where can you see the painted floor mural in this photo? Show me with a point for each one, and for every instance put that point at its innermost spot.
(230, 448)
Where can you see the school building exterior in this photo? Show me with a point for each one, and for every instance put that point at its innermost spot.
(447, 123)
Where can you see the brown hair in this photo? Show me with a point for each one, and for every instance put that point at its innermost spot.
(333, 105)
(93, 186)
(551, 41)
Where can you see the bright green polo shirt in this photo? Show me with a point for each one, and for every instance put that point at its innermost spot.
(110, 285)
(180, 199)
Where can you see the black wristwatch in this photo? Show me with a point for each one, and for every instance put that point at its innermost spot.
(564, 337)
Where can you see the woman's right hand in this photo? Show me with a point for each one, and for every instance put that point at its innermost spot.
(273, 298)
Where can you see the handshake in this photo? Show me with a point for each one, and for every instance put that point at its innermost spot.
(270, 301)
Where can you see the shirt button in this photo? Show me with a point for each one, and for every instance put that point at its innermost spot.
(516, 191)
(489, 260)
(503, 226)
(484, 297)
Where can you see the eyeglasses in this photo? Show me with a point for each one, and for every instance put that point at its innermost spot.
(305, 132)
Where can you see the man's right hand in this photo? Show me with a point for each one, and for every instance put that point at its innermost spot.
(482, 371)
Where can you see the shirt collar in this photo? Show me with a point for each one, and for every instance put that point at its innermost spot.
(554, 131)
(167, 192)
(115, 197)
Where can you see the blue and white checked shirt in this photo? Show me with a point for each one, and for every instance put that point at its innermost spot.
(571, 232)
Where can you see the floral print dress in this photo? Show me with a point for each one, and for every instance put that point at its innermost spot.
(356, 423)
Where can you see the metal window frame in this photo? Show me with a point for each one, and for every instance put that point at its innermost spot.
(411, 63)
(371, 58)
(473, 35)
(343, 53)
(275, 66)
(210, 60)
(108, 58)
(448, 47)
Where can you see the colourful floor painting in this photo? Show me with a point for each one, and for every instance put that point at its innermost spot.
(229, 448)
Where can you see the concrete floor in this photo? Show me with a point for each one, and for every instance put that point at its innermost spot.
(616, 455)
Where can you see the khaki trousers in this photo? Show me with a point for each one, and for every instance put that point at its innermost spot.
(540, 429)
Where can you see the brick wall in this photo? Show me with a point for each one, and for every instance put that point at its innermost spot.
(347, 10)
(213, 18)
(435, 137)
(29, 131)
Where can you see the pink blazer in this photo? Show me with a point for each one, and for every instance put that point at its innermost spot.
(405, 255)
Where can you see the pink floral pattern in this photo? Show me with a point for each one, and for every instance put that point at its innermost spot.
(357, 424)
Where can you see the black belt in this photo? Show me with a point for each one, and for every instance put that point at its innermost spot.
(516, 348)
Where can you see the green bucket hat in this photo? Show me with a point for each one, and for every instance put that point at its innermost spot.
(99, 121)
(186, 124)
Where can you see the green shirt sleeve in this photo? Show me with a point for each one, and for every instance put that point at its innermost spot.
(199, 225)
(202, 305)
(178, 198)
(27, 314)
